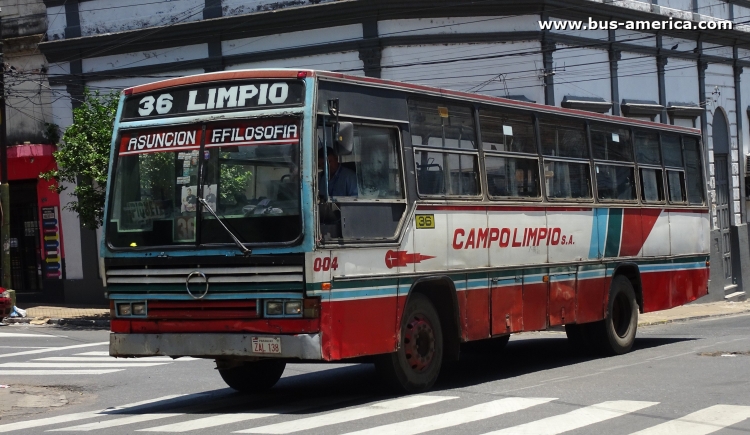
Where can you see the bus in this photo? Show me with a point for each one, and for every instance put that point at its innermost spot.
(264, 217)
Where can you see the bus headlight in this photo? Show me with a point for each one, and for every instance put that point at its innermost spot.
(123, 309)
(293, 308)
(139, 309)
(274, 308)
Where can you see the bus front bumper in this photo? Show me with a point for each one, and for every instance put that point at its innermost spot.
(223, 345)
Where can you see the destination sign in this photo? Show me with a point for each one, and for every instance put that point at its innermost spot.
(233, 96)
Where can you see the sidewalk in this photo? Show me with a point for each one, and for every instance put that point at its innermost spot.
(694, 311)
(56, 315)
(99, 317)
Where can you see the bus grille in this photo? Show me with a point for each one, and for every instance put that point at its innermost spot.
(161, 282)
(215, 275)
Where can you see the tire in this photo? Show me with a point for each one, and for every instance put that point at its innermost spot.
(415, 366)
(489, 346)
(615, 334)
(253, 377)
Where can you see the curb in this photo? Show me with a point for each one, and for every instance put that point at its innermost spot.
(61, 322)
(684, 319)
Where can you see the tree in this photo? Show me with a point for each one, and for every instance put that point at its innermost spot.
(83, 156)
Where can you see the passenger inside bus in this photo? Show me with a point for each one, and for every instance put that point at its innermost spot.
(342, 181)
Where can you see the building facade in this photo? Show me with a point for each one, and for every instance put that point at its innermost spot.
(36, 239)
(698, 78)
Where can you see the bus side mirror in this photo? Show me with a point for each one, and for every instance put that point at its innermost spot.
(344, 139)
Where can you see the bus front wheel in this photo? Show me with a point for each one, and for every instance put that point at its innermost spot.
(252, 377)
(615, 334)
(415, 366)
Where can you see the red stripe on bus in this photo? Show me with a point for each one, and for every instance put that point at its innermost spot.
(499, 208)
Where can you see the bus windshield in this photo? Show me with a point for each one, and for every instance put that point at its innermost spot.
(250, 178)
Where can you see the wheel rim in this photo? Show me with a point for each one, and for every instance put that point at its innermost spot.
(621, 312)
(419, 343)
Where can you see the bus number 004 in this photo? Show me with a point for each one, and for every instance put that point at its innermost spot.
(325, 264)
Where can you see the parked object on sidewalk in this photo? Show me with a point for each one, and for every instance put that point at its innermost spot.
(6, 306)
(39, 321)
(17, 312)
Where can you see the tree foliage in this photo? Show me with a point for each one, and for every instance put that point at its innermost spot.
(233, 180)
(83, 156)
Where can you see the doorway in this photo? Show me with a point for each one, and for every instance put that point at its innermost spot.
(720, 136)
(25, 244)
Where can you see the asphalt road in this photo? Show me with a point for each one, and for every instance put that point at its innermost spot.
(682, 378)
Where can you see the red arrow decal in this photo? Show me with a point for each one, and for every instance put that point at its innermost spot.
(402, 258)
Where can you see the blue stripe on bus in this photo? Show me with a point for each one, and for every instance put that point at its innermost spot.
(367, 292)
(598, 232)
(591, 274)
(645, 268)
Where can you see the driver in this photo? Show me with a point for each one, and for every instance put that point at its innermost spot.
(342, 181)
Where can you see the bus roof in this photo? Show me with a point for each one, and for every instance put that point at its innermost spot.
(390, 84)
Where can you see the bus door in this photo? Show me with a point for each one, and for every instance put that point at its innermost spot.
(506, 293)
(562, 296)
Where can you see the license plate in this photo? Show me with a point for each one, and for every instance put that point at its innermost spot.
(266, 344)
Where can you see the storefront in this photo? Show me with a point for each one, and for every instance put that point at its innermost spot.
(36, 253)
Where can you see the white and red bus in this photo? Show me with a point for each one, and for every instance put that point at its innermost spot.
(262, 217)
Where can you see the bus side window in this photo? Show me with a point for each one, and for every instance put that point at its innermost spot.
(447, 174)
(671, 147)
(696, 188)
(565, 139)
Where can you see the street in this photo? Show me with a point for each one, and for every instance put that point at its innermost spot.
(684, 377)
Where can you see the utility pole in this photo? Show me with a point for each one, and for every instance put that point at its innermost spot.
(4, 188)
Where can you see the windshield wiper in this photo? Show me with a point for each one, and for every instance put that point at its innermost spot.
(237, 242)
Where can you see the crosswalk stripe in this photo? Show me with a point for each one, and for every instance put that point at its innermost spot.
(222, 419)
(95, 353)
(56, 372)
(36, 365)
(53, 349)
(132, 419)
(206, 422)
(455, 418)
(702, 422)
(65, 418)
(105, 359)
(576, 419)
(346, 415)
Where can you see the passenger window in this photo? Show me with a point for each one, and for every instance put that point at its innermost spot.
(563, 138)
(567, 180)
(676, 185)
(652, 185)
(694, 171)
(446, 174)
(442, 125)
(507, 132)
(647, 148)
(512, 177)
(672, 150)
(615, 182)
(609, 143)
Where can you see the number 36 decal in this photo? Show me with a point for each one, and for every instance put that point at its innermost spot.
(325, 264)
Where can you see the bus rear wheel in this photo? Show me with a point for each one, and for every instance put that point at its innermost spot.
(415, 366)
(615, 334)
(252, 377)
